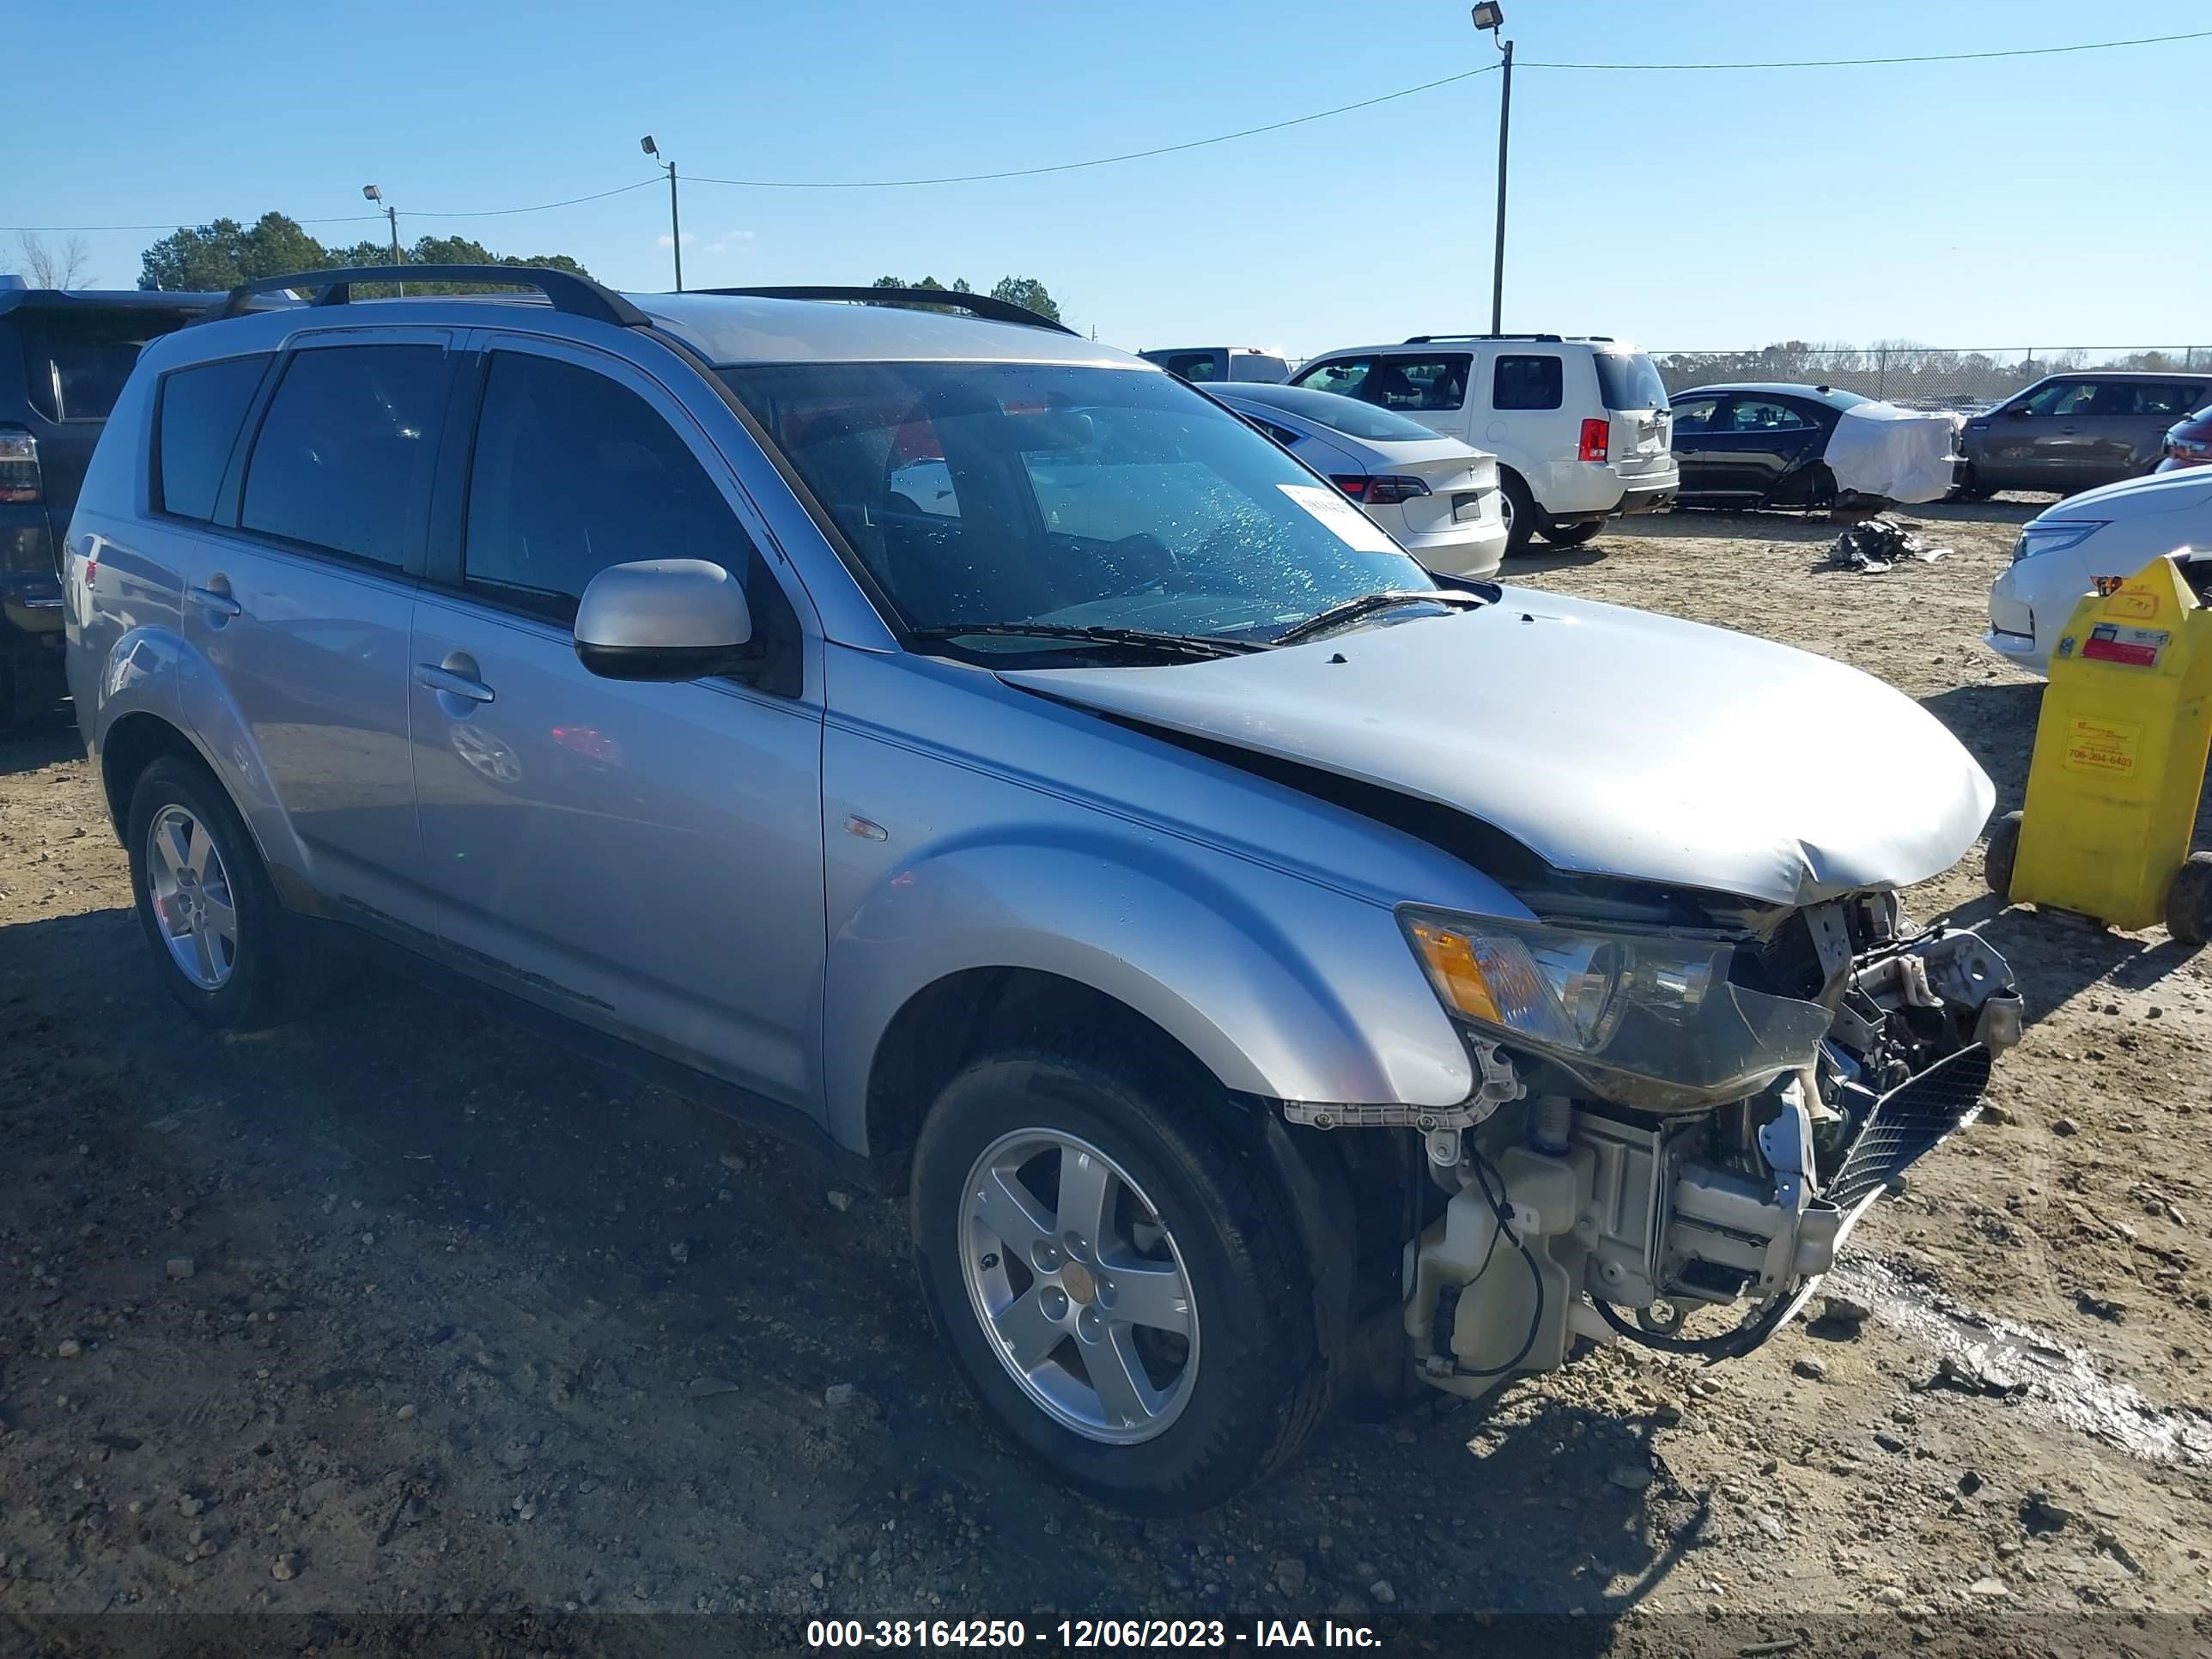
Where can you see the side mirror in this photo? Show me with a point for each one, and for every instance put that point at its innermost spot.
(2017, 412)
(663, 619)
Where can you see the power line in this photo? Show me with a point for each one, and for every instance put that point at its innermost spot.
(357, 218)
(1096, 162)
(1199, 143)
(1922, 57)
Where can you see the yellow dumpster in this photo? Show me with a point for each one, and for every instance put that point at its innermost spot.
(2119, 769)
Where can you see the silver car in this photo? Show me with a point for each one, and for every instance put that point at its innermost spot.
(1282, 983)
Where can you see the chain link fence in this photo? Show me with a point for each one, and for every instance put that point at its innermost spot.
(1920, 377)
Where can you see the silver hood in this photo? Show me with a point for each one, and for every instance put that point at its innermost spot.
(1609, 741)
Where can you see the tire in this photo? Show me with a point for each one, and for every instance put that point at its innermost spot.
(2002, 850)
(255, 981)
(1230, 1400)
(1520, 509)
(2189, 902)
(1569, 535)
(1971, 489)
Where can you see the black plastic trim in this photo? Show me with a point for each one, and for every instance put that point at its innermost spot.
(565, 290)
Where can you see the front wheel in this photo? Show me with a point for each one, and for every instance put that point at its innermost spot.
(1126, 1299)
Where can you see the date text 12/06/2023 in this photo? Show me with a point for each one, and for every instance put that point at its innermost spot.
(1076, 1635)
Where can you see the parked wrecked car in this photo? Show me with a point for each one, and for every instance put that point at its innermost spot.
(1283, 983)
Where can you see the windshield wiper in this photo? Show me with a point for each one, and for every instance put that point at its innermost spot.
(1367, 603)
(1182, 644)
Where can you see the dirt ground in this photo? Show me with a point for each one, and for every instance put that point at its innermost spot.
(400, 1313)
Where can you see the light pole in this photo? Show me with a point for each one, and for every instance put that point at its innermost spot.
(1491, 17)
(371, 192)
(675, 225)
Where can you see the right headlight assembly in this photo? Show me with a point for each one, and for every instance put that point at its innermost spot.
(2054, 536)
(1647, 1019)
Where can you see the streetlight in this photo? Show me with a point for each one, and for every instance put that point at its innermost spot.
(372, 193)
(1491, 18)
(675, 228)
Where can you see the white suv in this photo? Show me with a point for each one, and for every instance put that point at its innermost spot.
(1580, 426)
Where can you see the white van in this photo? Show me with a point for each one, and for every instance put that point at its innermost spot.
(1580, 426)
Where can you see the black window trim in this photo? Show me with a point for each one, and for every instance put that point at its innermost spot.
(414, 537)
(249, 420)
(781, 672)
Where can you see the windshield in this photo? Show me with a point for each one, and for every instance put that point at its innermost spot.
(1340, 414)
(995, 494)
(1629, 379)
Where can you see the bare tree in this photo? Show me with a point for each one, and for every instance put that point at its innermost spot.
(66, 266)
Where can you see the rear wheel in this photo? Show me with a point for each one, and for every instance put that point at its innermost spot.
(1126, 1297)
(220, 940)
(1570, 535)
(2189, 903)
(1518, 509)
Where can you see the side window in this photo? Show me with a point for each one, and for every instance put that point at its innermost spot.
(197, 417)
(1417, 382)
(1520, 382)
(2171, 401)
(2060, 397)
(1342, 375)
(345, 452)
(1191, 365)
(1764, 415)
(573, 472)
(1696, 415)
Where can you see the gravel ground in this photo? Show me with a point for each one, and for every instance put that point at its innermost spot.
(398, 1313)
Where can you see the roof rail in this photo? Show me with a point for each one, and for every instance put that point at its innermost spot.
(1431, 339)
(978, 305)
(577, 296)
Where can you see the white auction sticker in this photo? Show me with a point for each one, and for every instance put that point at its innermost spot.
(1350, 526)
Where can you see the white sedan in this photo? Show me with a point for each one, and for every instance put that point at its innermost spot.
(1436, 497)
(2111, 531)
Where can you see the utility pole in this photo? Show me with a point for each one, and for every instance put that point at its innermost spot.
(392, 215)
(1491, 18)
(1497, 261)
(675, 224)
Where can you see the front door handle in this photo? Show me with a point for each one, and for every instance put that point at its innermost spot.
(214, 601)
(467, 686)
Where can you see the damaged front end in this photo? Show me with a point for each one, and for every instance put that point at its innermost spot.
(1676, 1115)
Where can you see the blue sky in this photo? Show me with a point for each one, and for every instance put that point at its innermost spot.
(2022, 202)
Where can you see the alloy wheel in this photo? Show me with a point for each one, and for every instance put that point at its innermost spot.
(1078, 1286)
(193, 900)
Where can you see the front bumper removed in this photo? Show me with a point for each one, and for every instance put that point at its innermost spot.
(1625, 1224)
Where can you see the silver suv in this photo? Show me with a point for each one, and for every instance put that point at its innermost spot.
(1108, 846)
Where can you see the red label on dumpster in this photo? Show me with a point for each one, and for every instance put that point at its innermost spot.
(2137, 648)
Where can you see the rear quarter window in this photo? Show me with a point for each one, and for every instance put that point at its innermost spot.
(196, 424)
(1527, 381)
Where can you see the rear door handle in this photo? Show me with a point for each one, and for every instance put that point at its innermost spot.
(214, 601)
(431, 675)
